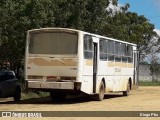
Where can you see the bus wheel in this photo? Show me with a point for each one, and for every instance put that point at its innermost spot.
(17, 94)
(0, 94)
(100, 95)
(126, 93)
(57, 96)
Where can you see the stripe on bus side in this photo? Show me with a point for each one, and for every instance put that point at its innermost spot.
(111, 64)
(130, 65)
(120, 64)
(89, 62)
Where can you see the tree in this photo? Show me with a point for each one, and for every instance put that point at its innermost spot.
(153, 50)
(18, 16)
(130, 27)
(89, 15)
(154, 67)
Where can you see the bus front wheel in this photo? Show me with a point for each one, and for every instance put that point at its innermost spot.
(100, 95)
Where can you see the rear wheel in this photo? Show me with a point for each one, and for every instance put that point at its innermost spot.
(126, 93)
(17, 94)
(100, 95)
(57, 96)
(0, 94)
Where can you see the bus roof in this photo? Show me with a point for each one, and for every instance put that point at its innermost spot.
(74, 30)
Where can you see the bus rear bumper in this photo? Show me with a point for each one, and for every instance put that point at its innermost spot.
(53, 85)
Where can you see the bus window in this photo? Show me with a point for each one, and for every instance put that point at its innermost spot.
(88, 47)
(117, 52)
(53, 43)
(111, 50)
(103, 49)
(123, 52)
(130, 53)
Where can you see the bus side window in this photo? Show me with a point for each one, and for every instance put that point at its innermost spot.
(88, 47)
(103, 49)
(130, 53)
(123, 52)
(117, 52)
(111, 51)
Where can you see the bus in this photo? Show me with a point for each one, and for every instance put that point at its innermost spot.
(63, 61)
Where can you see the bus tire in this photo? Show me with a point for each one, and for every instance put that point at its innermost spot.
(17, 94)
(126, 93)
(100, 95)
(57, 96)
(0, 94)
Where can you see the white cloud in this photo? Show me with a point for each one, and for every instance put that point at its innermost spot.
(157, 31)
(114, 9)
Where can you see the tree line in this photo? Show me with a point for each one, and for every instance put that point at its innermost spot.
(18, 16)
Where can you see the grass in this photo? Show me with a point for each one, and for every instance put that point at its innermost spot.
(32, 94)
(142, 83)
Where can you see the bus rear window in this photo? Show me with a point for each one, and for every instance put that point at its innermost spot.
(53, 43)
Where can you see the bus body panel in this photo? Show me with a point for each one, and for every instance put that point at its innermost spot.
(44, 70)
(52, 67)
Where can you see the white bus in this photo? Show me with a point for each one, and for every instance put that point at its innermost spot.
(61, 60)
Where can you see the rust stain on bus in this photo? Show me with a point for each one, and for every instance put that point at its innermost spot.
(130, 65)
(89, 62)
(111, 64)
(44, 62)
(124, 65)
(120, 64)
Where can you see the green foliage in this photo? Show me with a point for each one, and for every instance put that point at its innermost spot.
(32, 94)
(144, 63)
(18, 16)
(155, 68)
(141, 83)
(130, 27)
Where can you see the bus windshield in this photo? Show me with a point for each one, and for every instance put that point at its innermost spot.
(53, 43)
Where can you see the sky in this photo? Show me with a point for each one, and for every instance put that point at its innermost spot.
(149, 8)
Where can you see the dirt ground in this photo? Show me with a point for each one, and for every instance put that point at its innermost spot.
(143, 99)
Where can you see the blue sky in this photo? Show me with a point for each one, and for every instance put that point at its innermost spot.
(149, 8)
